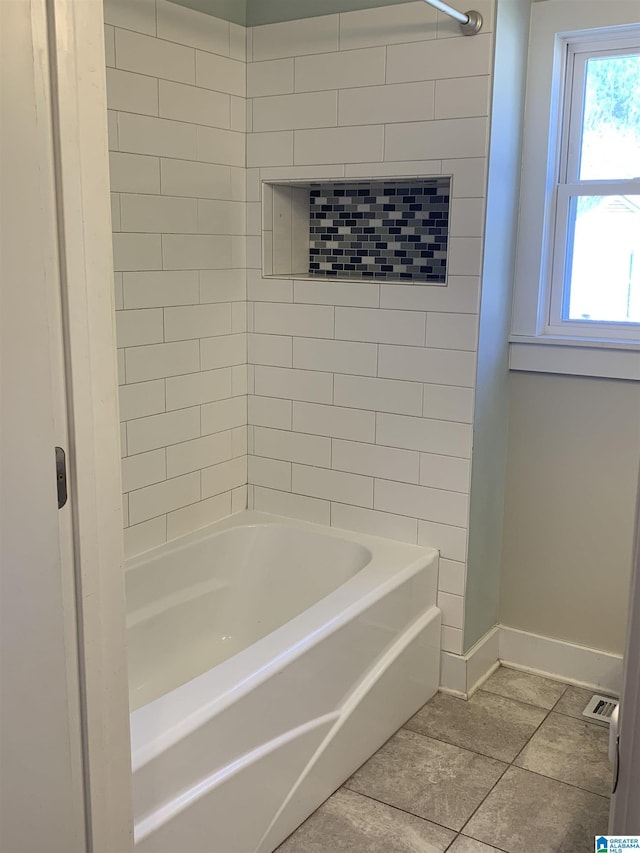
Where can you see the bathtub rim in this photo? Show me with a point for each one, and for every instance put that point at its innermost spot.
(257, 518)
(187, 706)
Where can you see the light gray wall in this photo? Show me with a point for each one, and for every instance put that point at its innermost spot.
(254, 12)
(491, 402)
(573, 451)
(270, 11)
(228, 10)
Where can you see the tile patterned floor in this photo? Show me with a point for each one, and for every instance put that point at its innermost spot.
(515, 769)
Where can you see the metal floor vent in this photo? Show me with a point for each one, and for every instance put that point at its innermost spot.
(600, 708)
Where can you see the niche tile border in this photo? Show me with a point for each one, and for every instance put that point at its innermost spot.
(385, 229)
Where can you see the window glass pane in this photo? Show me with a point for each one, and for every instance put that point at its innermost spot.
(611, 125)
(604, 261)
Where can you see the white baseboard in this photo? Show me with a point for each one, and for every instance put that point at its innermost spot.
(579, 665)
(462, 675)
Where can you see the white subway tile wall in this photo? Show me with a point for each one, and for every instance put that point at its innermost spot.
(361, 394)
(354, 401)
(176, 94)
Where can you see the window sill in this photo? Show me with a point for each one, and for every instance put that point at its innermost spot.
(576, 357)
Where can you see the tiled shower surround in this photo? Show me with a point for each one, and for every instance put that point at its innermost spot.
(380, 230)
(175, 92)
(360, 394)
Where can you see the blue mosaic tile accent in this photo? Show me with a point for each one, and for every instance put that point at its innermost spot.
(395, 230)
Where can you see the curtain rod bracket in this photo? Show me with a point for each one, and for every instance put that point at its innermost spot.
(470, 22)
(473, 25)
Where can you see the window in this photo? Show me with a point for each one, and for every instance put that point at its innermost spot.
(595, 259)
(577, 290)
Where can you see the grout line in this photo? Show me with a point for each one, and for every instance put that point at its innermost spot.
(483, 689)
(561, 782)
(584, 720)
(345, 785)
(460, 835)
(325, 165)
(533, 734)
(177, 509)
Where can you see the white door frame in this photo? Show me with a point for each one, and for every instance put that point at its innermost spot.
(76, 47)
(625, 804)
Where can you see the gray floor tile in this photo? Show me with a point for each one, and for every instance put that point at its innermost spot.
(487, 723)
(571, 751)
(574, 702)
(526, 812)
(532, 689)
(428, 778)
(470, 845)
(351, 822)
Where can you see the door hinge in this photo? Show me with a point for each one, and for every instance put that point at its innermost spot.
(61, 476)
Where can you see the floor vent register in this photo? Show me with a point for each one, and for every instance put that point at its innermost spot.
(600, 708)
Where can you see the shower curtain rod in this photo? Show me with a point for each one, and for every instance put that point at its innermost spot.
(470, 22)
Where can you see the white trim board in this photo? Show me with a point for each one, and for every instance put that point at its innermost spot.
(558, 659)
(462, 675)
(76, 42)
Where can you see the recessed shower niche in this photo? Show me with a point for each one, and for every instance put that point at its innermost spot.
(374, 230)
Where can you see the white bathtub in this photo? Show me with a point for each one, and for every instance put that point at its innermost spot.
(268, 659)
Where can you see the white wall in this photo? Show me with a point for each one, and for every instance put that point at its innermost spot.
(361, 395)
(176, 86)
(492, 382)
(574, 448)
(574, 443)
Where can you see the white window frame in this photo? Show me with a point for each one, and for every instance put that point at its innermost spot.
(576, 54)
(541, 340)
